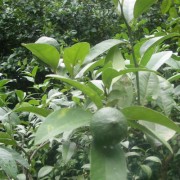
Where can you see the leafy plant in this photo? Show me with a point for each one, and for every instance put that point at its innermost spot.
(125, 75)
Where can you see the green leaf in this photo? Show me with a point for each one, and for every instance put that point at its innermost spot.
(100, 48)
(6, 115)
(68, 150)
(150, 133)
(146, 114)
(142, 6)
(48, 54)
(4, 81)
(175, 64)
(165, 6)
(114, 55)
(45, 170)
(85, 89)
(26, 107)
(18, 158)
(20, 94)
(48, 40)
(121, 94)
(162, 131)
(149, 87)
(158, 59)
(75, 55)
(147, 49)
(6, 139)
(7, 163)
(174, 78)
(107, 76)
(128, 9)
(108, 163)
(154, 159)
(165, 99)
(61, 121)
(90, 67)
(147, 170)
(129, 70)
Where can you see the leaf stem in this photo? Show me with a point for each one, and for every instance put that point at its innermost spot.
(131, 40)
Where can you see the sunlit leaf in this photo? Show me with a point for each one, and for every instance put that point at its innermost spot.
(48, 54)
(114, 55)
(61, 121)
(128, 9)
(147, 49)
(158, 59)
(75, 55)
(100, 48)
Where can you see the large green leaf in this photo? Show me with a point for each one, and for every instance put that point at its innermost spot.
(7, 163)
(121, 94)
(146, 114)
(61, 121)
(158, 59)
(165, 98)
(108, 163)
(85, 89)
(100, 48)
(141, 6)
(48, 54)
(18, 158)
(75, 55)
(149, 87)
(150, 133)
(147, 49)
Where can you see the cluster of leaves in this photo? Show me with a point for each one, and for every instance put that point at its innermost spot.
(49, 123)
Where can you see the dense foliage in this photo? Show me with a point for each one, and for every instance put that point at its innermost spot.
(88, 55)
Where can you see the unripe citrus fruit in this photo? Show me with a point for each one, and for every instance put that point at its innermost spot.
(108, 126)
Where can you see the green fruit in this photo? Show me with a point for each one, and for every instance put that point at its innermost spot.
(108, 126)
